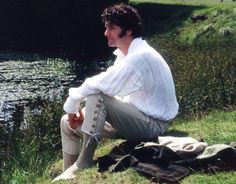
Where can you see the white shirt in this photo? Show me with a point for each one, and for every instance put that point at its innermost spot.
(142, 78)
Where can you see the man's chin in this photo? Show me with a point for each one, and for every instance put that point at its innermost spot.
(111, 45)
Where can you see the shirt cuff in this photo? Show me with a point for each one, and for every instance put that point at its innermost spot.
(71, 106)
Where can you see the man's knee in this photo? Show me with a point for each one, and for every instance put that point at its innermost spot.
(64, 122)
(94, 103)
(95, 97)
(67, 131)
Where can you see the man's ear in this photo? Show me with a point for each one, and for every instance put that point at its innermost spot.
(126, 33)
(129, 32)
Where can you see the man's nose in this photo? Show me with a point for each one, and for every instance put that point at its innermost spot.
(106, 32)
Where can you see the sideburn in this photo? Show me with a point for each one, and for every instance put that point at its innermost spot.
(122, 33)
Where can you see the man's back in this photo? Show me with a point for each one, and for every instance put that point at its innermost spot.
(157, 95)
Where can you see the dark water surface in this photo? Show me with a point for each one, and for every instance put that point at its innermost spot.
(26, 79)
(30, 77)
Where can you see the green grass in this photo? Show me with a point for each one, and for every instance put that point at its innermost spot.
(216, 127)
(185, 2)
(218, 178)
(173, 19)
(220, 18)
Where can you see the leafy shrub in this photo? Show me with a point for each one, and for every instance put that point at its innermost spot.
(37, 144)
(205, 76)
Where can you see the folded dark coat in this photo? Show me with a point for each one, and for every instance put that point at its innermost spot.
(163, 164)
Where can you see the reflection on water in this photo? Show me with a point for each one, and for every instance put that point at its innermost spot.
(22, 81)
(26, 79)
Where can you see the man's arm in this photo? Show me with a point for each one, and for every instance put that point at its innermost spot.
(120, 80)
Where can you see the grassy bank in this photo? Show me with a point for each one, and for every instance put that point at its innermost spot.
(186, 2)
(216, 127)
(172, 19)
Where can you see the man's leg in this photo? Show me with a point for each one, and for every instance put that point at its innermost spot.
(132, 124)
(128, 122)
(93, 130)
(71, 142)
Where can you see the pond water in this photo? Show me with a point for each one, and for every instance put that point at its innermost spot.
(25, 78)
(29, 78)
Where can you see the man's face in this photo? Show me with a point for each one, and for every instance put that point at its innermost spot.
(113, 34)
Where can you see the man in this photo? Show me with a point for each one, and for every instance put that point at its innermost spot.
(136, 95)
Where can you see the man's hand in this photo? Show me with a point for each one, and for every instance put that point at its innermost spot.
(76, 120)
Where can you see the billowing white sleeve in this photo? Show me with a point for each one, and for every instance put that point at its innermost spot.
(119, 80)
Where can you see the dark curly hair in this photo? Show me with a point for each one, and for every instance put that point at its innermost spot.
(124, 16)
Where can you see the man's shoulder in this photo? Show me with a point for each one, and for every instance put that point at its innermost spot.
(144, 53)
